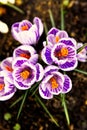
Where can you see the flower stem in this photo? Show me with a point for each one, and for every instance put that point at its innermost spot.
(65, 108)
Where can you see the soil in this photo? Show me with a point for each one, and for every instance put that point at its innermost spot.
(33, 116)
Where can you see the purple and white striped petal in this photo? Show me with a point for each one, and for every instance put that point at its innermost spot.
(68, 41)
(53, 31)
(21, 86)
(45, 94)
(46, 55)
(40, 72)
(50, 69)
(18, 61)
(62, 34)
(39, 25)
(50, 39)
(69, 65)
(71, 52)
(33, 59)
(15, 30)
(67, 84)
(8, 76)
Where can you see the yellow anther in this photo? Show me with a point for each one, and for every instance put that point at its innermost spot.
(64, 51)
(53, 83)
(25, 74)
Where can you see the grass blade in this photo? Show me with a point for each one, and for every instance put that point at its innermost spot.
(18, 100)
(80, 71)
(65, 108)
(51, 18)
(22, 103)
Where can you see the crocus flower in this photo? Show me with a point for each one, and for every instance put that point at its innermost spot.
(6, 66)
(63, 54)
(82, 55)
(7, 89)
(54, 35)
(26, 74)
(54, 83)
(27, 52)
(27, 33)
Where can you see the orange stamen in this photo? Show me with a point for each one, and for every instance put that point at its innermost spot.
(62, 53)
(24, 27)
(57, 39)
(1, 87)
(25, 74)
(53, 83)
(8, 68)
(25, 55)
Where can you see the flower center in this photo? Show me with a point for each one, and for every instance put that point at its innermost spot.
(62, 53)
(8, 68)
(57, 39)
(1, 87)
(25, 74)
(53, 83)
(24, 27)
(25, 55)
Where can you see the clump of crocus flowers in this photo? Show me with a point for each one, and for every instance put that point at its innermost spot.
(26, 67)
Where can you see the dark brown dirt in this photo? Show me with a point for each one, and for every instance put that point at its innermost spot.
(33, 116)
